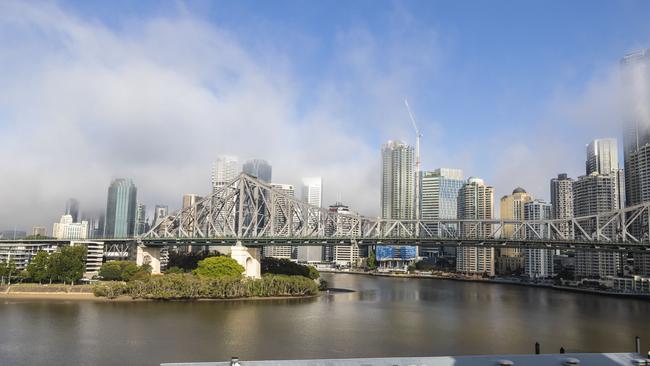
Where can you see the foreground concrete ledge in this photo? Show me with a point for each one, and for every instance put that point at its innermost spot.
(568, 359)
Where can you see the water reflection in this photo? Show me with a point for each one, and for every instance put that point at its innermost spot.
(382, 317)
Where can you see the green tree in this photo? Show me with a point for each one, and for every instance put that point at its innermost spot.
(217, 267)
(313, 273)
(68, 264)
(129, 269)
(74, 263)
(372, 260)
(7, 270)
(37, 267)
(284, 267)
(111, 271)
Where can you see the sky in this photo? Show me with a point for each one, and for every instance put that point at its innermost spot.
(510, 91)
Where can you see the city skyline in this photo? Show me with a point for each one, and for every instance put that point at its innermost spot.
(582, 90)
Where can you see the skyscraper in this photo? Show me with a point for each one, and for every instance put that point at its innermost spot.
(281, 224)
(397, 193)
(439, 200)
(635, 80)
(258, 168)
(538, 263)
(602, 156)
(397, 181)
(140, 219)
(224, 169)
(72, 208)
(594, 194)
(312, 193)
(191, 208)
(562, 202)
(120, 209)
(439, 192)
(512, 208)
(159, 213)
(475, 201)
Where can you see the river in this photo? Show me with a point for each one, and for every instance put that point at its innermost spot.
(382, 317)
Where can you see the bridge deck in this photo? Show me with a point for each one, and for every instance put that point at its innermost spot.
(590, 359)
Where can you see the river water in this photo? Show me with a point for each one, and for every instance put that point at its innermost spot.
(383, 317)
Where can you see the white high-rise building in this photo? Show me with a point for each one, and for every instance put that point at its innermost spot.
(475, 201)
(280, 225)
(397, 181)
(224, 169)
(538, 263)
(312, 193)
(562, 202)
(66, 229)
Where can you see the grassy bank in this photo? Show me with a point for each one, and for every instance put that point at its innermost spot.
(190, 287)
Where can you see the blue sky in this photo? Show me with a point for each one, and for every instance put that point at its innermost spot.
(507, 90)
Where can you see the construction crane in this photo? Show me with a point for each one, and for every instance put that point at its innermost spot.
(417, 160)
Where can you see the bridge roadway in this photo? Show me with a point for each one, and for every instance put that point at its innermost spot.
(626, 246)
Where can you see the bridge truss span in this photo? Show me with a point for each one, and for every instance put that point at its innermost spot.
(250, 210)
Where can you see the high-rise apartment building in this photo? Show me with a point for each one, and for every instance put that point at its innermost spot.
(512, 208)
(224, 169)
(140, 219)
(475, 201)
(259, 168)
(562, 202)
(397, 181)
(594, 194)
(190, 199)
(538, 263)
(312, 193)
(120, 209)
(439, 194)
(398, 188)
(342, 255)
(281, 224)
(72, 208)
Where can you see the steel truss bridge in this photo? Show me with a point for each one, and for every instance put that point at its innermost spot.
(254, 213)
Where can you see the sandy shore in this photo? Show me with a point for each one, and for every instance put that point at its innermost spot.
(54, 296)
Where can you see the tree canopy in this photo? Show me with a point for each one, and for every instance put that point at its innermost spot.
(287, 267)
(217, 267)
(37, 269)
(123, 271)
(68, 264)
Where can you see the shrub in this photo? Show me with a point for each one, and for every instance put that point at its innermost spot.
(187, 286)
(217, 267)
(287, 267)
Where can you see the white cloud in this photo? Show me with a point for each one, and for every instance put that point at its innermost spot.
(158, 100)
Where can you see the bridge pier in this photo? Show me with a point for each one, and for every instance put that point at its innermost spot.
(249, 258)
(150, 256)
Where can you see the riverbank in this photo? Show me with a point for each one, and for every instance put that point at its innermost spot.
(90, 297)
(31, 291)
(499, 282)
